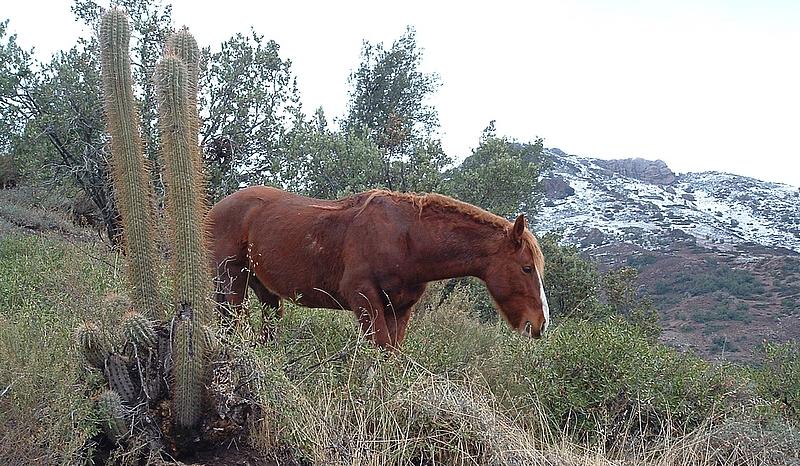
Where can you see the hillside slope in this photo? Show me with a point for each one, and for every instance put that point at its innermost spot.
(720, 253)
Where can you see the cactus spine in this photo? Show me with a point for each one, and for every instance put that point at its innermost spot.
(130, 171)
(185, 194)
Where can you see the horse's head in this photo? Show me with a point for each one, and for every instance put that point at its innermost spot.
(514, 279)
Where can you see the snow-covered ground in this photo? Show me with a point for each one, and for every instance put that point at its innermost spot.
(717, 209)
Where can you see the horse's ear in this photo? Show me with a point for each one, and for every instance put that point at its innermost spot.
(519, 229)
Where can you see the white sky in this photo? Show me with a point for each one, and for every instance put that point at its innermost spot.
(700, 84)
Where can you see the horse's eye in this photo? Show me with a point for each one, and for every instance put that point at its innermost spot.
(527, 268)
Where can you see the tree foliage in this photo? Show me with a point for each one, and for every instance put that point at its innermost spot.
(51, 112)
(319, 162)
(249, 103)
(52, 120)
(502, 175)
(388, 106)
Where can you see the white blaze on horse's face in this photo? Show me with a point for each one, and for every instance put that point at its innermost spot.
(545, 307)
(526, 330)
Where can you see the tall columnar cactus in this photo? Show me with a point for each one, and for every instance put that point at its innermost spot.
(185, 192)
(183, 45)
(153, 349)
(185, 196)
(129, 167)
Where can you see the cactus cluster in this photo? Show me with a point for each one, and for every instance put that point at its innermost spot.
(146, 351)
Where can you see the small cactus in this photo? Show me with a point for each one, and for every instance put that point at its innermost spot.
(139, 330)
(114, 415)
(92, 343)
(119, 379)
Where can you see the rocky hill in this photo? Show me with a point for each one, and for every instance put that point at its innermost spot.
(720, 253)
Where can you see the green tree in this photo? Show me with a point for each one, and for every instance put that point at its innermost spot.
(322, 163)
(58, 105)
(51, 120)
(502, 175)
(249, 103)
(388, 106)
(15, 73)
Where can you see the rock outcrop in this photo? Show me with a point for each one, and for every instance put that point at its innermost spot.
(556, 188)
(649, 171)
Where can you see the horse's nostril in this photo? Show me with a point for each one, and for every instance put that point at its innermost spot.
(528, 327)
(543, 328)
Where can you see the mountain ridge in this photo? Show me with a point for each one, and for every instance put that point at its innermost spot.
(719, 253)
(624, 198)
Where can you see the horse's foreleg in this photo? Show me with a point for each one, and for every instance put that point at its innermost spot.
(230, 291)
(397, 318)
(367, 304)
(271, 308)
(398, 327)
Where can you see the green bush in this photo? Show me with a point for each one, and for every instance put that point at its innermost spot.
(721, 313)
(778, 376)
(717, 277)
(607, 377)
(593, 380)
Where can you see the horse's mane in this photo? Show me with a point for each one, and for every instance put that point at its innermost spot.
(448, 204)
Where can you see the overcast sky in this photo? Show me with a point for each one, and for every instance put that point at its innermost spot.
(700, 84)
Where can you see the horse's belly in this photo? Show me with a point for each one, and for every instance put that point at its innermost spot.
(304, 285)
(321, 298)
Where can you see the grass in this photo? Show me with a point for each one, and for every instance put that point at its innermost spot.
(46, 289)
(460, 391)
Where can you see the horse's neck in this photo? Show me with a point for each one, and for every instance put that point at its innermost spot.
(456, 249)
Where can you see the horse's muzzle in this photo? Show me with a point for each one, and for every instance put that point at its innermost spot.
(528, 330)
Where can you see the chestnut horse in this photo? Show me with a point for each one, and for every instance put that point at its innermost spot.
(373, 253)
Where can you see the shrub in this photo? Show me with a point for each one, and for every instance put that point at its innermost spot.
(778, 376)
(9, 172)
(739, 283)
(606, 377)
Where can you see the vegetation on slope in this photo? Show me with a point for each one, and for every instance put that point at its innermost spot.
(461, 391)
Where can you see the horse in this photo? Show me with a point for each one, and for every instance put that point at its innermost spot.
(372, 253)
